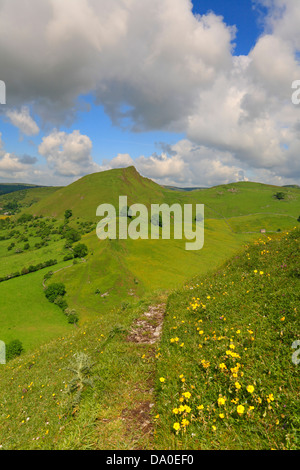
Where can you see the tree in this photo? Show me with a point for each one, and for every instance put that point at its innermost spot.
(55, 290)
(72, 236)
(68, 214)
(72, 316)
(14, 349)
(280, 196)
(80, 250)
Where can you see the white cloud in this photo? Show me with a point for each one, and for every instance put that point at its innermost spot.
(154, 65)
(68, 154)
(151, 55)
(23, 121)
(11, 167)
(120, 161)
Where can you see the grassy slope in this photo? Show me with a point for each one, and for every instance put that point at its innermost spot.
(128, 270)
(225, 201)
(36, 413)
(26, 314)
(86, 194)
(251, 309)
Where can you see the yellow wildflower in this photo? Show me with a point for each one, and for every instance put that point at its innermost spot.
(176, 426)
(221, 401)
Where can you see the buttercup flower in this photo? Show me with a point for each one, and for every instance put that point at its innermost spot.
(221, 401)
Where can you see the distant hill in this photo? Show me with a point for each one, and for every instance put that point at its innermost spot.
(175, 188)
(23, 197)
(227, 201)
(6, 188)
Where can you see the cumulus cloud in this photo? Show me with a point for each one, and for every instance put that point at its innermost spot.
(68, 154)
(152, 56)
(67, 158)
(11, 166)
(23, 121)
(28, 159)
(155, 65)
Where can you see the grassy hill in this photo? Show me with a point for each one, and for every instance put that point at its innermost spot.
(111, 287)
(85, 195)
(6, 188)
(15, 201)
(121, 272)
(223, 370)
(224, 201)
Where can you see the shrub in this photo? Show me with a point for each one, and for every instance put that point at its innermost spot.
(55, 290)
(68, 214)
(48, 275)
(72, 236)
(68, 257)
(72, 316)
(14, 349)
(25, 218)
(61, 302)
(80, 250)
(280, 196)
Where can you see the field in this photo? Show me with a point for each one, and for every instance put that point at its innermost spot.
(209, 306)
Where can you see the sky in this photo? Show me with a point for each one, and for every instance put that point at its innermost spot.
(192, 93)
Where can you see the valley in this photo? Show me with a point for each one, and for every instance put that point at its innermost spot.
(110, 284)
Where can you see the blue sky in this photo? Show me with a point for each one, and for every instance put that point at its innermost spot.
(241, 13)
(167, 105)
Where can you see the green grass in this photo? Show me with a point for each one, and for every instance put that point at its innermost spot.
(226, 332)
(127, 270)
(12, 262)
(257, 313)
(26, 314)
(224, 201)
(26, 197)
(124, 271)
(114, 285)
(37, 413)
